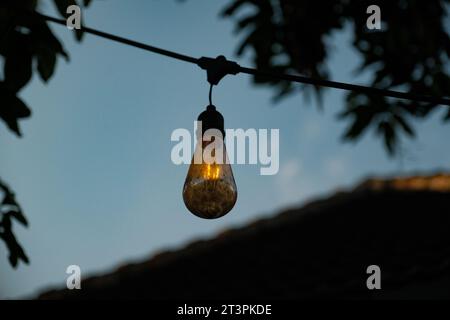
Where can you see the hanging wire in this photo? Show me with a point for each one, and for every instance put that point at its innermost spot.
(129, 42)
(210, 94)
(251, 71)
(348, 86)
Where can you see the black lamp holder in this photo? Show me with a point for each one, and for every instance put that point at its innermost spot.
(218, 68)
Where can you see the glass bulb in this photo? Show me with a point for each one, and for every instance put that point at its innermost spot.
(209, 190)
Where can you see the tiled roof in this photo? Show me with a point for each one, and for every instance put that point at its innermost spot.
(319, 250)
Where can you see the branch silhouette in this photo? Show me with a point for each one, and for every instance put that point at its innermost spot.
(410, 54)
(25, 42)
(10, 210)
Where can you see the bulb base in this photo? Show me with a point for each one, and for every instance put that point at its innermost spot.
(212, 119)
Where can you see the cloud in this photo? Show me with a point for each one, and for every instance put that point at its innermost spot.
(336, 167)
(288, 180)
(311, 131)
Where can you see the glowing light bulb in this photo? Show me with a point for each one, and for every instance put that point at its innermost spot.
(209, 190)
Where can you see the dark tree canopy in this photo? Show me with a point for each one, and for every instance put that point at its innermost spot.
(26, 45)
(410, 53)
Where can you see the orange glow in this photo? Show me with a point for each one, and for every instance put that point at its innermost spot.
(211, 171)
(438, 182)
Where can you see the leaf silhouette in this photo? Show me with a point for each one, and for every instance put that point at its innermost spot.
(18, 215)
(18, 64)
(46, 63)
(16, 252)
(12, 109)
(387, 131)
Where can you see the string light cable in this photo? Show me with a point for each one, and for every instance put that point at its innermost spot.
(219, 67)
(209, 190)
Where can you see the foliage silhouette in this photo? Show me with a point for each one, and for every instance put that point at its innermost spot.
(410, 53)
(10, 210)
(24, 40)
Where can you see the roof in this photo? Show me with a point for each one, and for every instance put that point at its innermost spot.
(319, 250)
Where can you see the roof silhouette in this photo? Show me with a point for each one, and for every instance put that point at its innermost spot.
(321, 250)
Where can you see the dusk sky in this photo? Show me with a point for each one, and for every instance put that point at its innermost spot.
(93, 171)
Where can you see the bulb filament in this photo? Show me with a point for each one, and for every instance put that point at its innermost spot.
(212, 172)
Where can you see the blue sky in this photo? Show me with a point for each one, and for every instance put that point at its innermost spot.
(93, 170)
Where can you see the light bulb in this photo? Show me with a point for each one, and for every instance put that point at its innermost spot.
(209, 191)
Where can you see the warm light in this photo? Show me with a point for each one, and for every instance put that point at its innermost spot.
(209, 190)
(211, 172)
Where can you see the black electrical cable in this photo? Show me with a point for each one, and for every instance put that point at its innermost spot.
(210, 94)
(129, 42)
(347, 86)
(221, 67)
